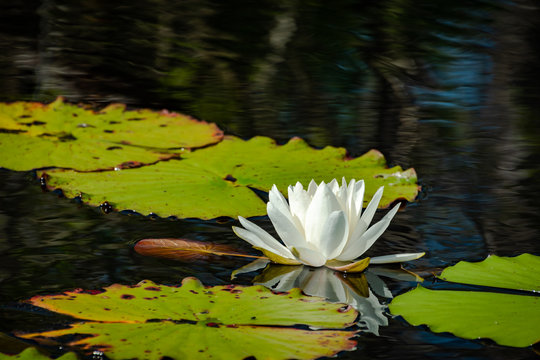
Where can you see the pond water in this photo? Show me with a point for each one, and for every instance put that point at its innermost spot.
(449, 88)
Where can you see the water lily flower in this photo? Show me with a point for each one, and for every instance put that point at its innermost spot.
(322, 226)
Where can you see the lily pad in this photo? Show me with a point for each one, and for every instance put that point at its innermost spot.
(196, 322)
(521, 272)
(508, 319)
(32, 354)
(35, 135)
(216, 181)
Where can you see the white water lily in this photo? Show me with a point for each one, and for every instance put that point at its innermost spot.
(323, 225)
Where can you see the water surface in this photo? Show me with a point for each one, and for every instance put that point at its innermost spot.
(449, 88)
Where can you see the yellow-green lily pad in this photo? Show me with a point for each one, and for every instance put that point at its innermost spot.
(192, 321)
(508, 319)
(32, 353)
(521, 272)
(216, 181)
(35, 135)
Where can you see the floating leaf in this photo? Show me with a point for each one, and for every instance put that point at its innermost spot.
(508, 319)
(521, 272)
(185, 249)
(32, 354)
(197, 322)
(35, 135)
(216, 181)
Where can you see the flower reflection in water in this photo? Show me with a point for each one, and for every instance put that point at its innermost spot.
(361, 291)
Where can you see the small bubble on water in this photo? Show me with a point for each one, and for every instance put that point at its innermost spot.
(97, 354)
(106, 207)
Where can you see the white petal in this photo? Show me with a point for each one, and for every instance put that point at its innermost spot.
(395, 258)
(372, 236)
(285, 227)
(358, 199)
(310, 257)
(251, 238)
(271, 244)
(299, 201)
(341, 196)
(349, 197)
(352, 240)
(323, 204)
(334, 235)
(367, 216)
(333, 186)
(280, 204)
(312, 188)
(355, 197)
(357, 246)
(275, 197)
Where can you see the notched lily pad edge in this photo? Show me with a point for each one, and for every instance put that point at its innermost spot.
(477, 287)
(99, 109)
(32, 352)
(106, 207)
(294, 293)
(165, 153)
(480, 339)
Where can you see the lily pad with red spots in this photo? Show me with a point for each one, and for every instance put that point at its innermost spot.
(192, 321)
(35, 135)
(33, 354)
(218, 180)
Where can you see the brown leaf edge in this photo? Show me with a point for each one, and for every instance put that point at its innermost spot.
(186, 249)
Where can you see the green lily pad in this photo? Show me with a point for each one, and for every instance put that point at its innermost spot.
(196, 322)
(35, 135)
(508, 319)
(216, 181)
(521, 272)
(32, 354)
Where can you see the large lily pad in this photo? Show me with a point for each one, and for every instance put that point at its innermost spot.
(35, 135)
(216, 181)
(33, 354)
(508, 319)
(195, 322)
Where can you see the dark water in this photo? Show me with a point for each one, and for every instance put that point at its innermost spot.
(449, 88)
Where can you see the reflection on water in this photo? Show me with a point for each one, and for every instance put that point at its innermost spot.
(357, 290)
(449, 88)
(352, 289)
